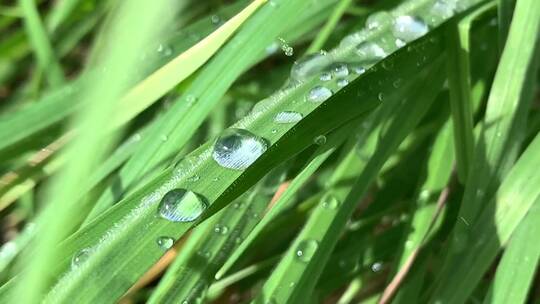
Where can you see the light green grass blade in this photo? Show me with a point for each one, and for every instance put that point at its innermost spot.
(86, 151)
(516, 270)
(40, 43)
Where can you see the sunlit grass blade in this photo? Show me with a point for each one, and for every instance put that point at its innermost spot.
(516, 270)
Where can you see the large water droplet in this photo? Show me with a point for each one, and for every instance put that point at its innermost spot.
(376, 267)
(376, 20)
(287, 117)
(237, 149)
(165, 242)
(309, 66)
(319, 94)
(306, 249)
(80, 257)
(180, 205)
(408, 28)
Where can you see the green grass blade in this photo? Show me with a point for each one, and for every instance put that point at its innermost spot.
(516, 270)
(518, 194)
(40, 43)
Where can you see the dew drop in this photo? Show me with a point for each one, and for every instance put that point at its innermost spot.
(340, 70)
(325, 76)
(80, 257)
(358, 69)
(408, 28)
(442, 10)
(221, 229)
(287, 117)
(400, 43)
(286, 48)
(193, 178)
(306, 249)
(342, 82)
(180, 205)
(330, 202)
(309, 66)
(319, 94)
(376, 267)
(165, 242)
(215, 19)
(380, 96)
(376, 20)
(370, 51)
(320, 140)
(397, 83)
(238, 148)
(164, 50)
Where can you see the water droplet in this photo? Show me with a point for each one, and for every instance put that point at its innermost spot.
(309, 66)
(215, 19)
(330, 202)
(287, 117)
(193, 178)
(340, 70)
(164, 50)
(164, 137)
(442, 10)
(238, 240)
(319, 94)
(380, 96)
(306, 249)
(397, 83)
(400, 43)
(424, 195)
(190, 99)
(376, 20)
(272, 48)
(376, 267)
(388, 64)
(408, 28)
(325, 76)
(358, 69)
(238, 148)
(80, 257)
(165, 242)
(320, 140)
(215, 179)
(180, 205)
(370, 51)
(221, 229)
(342, 82)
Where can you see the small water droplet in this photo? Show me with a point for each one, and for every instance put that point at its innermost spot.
(340, 70)
(164, 137)
(376, 267)
(306, 250)
(193, 178)
(378, 19)
(215, 19)
(238, 148)
(165, 242)
(370, 51)
(287, 117)
(400, 43)
(325, 76)
(358, 69)
(424, 195)
(388, 64)
(442, 10)
(180, 205)
(164, 50)
(342, 82)
(215, 179)
(80, 257)
(380, 96)
(320, 140)
(330, 202)
(319, 94)
(397, 83)
(309, 66)
(408, 28)
(221, 229)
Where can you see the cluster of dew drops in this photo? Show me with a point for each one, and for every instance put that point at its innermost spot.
(237, 149)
